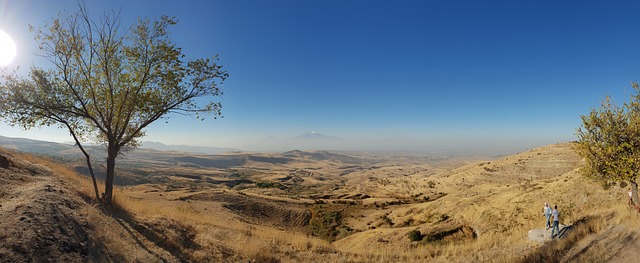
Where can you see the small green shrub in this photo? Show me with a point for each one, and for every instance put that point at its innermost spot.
(605, 185)
(415, 235)
(623, 184)
(328, 225)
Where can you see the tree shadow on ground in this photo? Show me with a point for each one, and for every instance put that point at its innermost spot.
(157, 234)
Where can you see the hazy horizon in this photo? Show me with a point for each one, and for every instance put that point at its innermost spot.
(465, 76)
(272, 144)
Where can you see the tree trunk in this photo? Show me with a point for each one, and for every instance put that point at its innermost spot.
(86, 156)
(112, 152)
(634, 192)
(93, 177)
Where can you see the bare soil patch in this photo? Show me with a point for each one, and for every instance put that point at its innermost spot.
(39, 222)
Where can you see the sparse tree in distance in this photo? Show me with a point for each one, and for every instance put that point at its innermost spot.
(609, 141)
(106, 83)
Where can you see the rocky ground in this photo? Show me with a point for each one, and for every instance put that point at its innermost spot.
(543, 235)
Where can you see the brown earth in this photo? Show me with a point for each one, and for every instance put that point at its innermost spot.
(39, 220)
(43, 218)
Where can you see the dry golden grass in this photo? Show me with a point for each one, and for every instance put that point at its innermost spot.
(230, 238)
(83, 185)
(502, 206)
(501, 200)
(113, 240)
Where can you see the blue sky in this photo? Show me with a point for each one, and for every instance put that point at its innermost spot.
(508, 75)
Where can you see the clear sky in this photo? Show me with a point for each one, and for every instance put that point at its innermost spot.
(416, 74)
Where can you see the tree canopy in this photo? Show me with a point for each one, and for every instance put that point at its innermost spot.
(107, 84)
(609, 141)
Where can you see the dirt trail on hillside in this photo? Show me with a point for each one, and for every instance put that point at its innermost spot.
(42, 220)
(37, 221)
(543, 235)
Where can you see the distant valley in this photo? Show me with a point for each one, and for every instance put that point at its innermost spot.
(332, 206)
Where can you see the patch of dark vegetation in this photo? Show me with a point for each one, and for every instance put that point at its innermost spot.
(431, 183)
(454, 234)
(623, 184)
(241, 173)
(326, 223)
(270, 185)
(443, 235)
(386, 219)
(236, 174)
(415, 235)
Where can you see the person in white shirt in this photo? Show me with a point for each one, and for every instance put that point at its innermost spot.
(546, 211)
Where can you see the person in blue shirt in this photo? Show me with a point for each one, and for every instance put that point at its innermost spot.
(556, 215)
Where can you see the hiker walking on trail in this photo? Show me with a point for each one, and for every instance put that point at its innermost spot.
(546, 211)
(630, 196)
(555, 214)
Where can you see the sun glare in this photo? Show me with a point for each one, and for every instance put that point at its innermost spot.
(7, 49)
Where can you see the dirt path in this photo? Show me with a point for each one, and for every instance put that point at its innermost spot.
(543, 235)
(38, 222)
(41, 220)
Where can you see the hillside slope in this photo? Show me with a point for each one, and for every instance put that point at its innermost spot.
(40, 218)
(501, 201)
(45, 218)
(478, 212)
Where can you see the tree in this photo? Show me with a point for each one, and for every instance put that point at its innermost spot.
(107, 85)
(609, 141)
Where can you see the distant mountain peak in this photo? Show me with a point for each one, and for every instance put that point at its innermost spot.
(314, 135)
